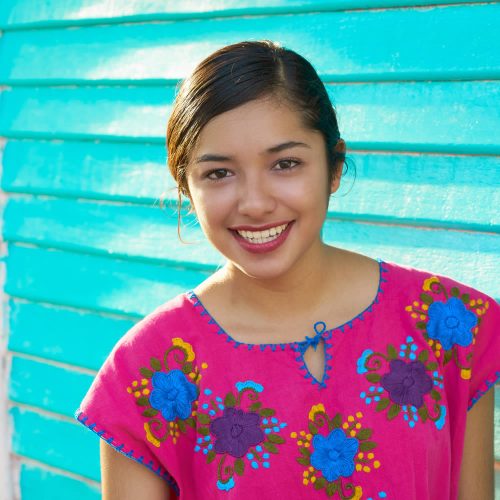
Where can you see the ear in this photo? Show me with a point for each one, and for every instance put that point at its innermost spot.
(339, 148)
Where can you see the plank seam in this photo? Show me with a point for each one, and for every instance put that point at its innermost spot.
(23, 459)
(228, 14)
(41, 411)
(51, 362)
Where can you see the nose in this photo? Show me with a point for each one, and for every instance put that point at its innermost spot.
(255, 198)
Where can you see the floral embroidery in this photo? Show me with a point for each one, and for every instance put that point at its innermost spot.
(172, 394)
(449, 320)
(451, 323)
(407, 382)
(403, 382)
(335, 453)
(167, 394)
(237, 432)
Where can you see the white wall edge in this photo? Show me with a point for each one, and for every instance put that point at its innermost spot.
(6, 470)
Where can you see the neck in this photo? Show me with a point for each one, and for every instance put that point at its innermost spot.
(300, 289)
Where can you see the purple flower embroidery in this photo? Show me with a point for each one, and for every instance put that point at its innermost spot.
(407, 382)
(172, 394)
(236, 431)
(451, 323)
(334, 455)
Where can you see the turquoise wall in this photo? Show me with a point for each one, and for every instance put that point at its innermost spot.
(86, 89)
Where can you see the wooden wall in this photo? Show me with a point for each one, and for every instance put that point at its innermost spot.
(86, 88)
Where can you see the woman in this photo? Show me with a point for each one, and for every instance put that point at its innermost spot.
(298, 370)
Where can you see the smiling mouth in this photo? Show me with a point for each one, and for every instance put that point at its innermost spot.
(260, 237)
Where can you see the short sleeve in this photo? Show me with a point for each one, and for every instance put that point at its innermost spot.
(118, 409)
(485, 350)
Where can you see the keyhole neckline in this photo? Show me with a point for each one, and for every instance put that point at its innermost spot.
(325, 333)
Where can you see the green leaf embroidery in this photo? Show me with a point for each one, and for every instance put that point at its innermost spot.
(182, 425)
(373, 377)
(383, 404)
(210, 456)
(337, 421)
(303, 461)
(230, 400)
(455, 292)
(319, 483)
(270, 447)
(187, 368)
(145, 372)
(423, 356)
(203, 418)
(391, 351)
(423, 413)
(155, 364)
(465, 298)
(239, 466)
(274, 438)
(332, 488)
(305, 452)
(432, 365)
(267, 412)
(393, 411)
(421, 325)
(426, 299)
(150, 412)
(142, 401)
(203, 431)
(255, 406)
(364, 434)
(313, 429)
(367, 445)
(435, 395)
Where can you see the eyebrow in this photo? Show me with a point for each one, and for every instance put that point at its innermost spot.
(274, 149)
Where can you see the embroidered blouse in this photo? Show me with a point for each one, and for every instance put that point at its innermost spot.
(217, 418)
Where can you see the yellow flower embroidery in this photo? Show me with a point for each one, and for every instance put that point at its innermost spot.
(150, 436)
(316, 409)
(428, 282)
(189, 349)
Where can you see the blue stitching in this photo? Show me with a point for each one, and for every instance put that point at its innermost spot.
(163, 473)
(481, 392)
(293, 345)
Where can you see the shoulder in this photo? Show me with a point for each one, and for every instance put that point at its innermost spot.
(414, 282)
(163, 322)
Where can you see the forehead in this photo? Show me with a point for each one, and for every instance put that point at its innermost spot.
(254, 126)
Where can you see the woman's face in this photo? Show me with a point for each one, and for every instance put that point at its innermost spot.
(259, 186)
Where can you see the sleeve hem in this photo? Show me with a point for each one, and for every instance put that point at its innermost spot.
(158, 469)
(485, 387)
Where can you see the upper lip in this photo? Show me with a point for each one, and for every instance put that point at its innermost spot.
(259, 228)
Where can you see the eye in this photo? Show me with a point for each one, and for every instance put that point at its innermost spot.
(217, 174)
(286, 164)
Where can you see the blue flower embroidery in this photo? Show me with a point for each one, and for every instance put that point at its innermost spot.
(451, 323)
(334, 454)
(172, 394)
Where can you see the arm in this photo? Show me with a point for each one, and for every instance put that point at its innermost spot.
(125, 479)
(476, 474)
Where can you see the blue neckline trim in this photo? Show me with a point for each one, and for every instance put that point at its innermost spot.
(297, 345)
(104, 435)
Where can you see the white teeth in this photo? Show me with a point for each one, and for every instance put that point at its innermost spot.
(259, 237)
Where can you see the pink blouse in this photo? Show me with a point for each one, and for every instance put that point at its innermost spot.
(217, 418)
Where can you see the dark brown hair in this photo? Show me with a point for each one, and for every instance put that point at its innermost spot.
(235, 75)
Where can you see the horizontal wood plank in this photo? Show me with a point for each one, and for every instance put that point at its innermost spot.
(411, 44)
(19, 14)
(444, 117)
(75, 337)
(46, 386)
(132, 286)
(56, 442)
(39, 483)
(93, 282)
(385, 187)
